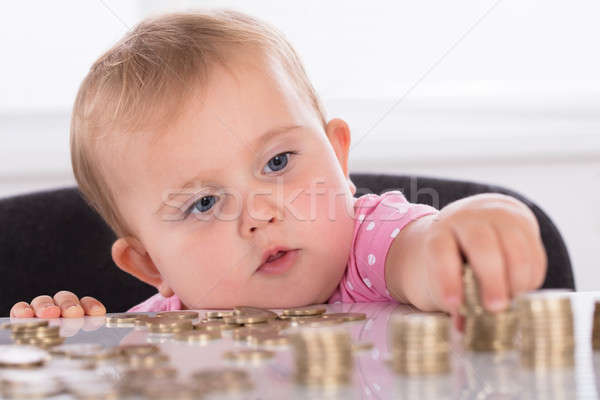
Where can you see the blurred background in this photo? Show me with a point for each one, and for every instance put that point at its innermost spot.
(502, 92)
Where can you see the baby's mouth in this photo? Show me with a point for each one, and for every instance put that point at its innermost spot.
(279, 262)
(276, 256)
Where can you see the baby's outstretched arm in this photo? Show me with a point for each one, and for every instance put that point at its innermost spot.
(498, 235)
(63, 304)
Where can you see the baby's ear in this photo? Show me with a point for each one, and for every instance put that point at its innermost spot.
(338, 133)
(131, 256)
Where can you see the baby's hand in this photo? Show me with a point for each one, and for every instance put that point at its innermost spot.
(500, 237)
(64, 304)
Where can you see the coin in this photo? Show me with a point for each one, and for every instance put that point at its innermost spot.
(216, 325)
(484, 330)
(178, 314)
(307, 310)
(250, 315)
(219, 314)
(123, 318)
(546, 329)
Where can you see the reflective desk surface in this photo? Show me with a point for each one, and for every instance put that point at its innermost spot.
(473, 375)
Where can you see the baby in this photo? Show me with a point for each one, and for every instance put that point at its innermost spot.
(201, 142)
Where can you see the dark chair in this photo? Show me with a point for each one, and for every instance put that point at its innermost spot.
(51, 240)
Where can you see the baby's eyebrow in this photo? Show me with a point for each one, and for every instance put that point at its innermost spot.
(264, 138)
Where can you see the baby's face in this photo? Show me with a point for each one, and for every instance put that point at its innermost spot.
(250, 193)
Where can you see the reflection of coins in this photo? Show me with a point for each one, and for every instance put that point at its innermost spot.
(362, 346)
(323, 356)
(596, 326)
(76, 349)
(197, 336)
(29, 384)
(307, 310)
(168, 325)
(26, 325)
(420, 343)
(138, 349)
(546, 329)
(35, 333)
(14, 356)
(246, 355)
(148, 360)
(345, 317)
(223, 380)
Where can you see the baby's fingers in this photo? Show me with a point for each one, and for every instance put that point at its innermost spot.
(483, 250)
(69, 304)
(92, 307)
(44, 307)
(446, 263)
(21, 310)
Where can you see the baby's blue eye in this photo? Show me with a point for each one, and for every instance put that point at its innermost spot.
(278, 162)
(204, 204)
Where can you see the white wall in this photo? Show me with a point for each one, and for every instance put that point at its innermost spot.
(502, 92)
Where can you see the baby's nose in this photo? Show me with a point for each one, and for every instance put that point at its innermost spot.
(254, 226)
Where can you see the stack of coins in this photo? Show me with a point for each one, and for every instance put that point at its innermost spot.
(36, 333)
(228, 380)
(123, 319)
(483, 330)
(546, 329)
(420, 343)
(596, 327)
(323, 356)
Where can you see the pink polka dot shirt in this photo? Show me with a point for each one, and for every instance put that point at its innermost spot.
(379, 219)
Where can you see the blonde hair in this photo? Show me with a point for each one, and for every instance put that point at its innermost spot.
(144, 78)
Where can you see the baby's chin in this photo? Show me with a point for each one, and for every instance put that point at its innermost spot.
(270, 303)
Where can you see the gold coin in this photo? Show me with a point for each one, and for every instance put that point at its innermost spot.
(123, 318)
(178, 314)
(217, 325)
(219, 314)
(307, 310)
